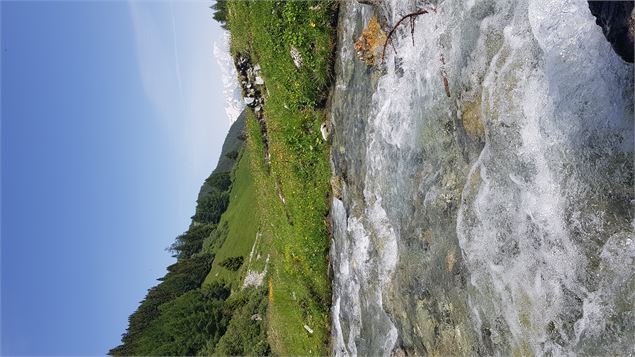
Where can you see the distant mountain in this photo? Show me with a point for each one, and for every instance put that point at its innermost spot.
(234, 103)
(232, 145)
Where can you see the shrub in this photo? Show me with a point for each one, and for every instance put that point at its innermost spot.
(232, 263)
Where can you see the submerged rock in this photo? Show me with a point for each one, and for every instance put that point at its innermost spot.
(370, 44)
(337, 185)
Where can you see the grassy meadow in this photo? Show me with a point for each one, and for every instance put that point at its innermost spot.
(292, 189)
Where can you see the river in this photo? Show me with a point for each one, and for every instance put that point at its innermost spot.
(496, 220)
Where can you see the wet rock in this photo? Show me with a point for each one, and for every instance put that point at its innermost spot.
(324, 129)
(617, 20)
(398, 352)
(370, 44)
(471, 119)
(337, 184)
(370, 2)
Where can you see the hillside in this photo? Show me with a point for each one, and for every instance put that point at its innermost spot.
(232, 145)
(185, 314)
(260, 232)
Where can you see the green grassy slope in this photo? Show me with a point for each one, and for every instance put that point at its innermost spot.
(298, 285)
(294, 230)
(241, 218)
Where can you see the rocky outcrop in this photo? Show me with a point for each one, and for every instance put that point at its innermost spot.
(253, 87)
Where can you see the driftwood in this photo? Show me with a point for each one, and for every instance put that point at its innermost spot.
(445, 77)
(411, 17)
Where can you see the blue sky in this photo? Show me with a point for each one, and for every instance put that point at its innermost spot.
(112, 116)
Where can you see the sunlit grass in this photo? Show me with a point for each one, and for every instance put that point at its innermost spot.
(295, 233)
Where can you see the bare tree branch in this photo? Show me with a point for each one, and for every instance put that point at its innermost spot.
(412, 18)
(446, 84)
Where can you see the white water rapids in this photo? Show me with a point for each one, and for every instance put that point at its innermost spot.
(495, 221)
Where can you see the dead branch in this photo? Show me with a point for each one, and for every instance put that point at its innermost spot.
(445, 76)
(412, 30)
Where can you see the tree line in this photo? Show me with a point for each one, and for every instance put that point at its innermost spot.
(178, 316)
(220, 12)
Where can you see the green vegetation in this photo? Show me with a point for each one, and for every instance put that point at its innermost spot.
(220, 12)
(232, 155)
(267, 30)
(232, 263)
(240, 225)
(211, 205)
(293, 187)
(182, 315)
(252, 269)
(246, 333)
(234, 141)
(184, 325)
(177, 317)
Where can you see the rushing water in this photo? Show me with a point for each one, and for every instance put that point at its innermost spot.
(498, 220)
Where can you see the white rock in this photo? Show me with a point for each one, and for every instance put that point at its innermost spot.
(255, 278)
(324, 129)
(295, 55)
(256, 317)
(308, 329)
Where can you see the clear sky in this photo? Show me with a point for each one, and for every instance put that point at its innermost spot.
(112, 116)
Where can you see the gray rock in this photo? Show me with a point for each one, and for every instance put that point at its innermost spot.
(256, 317)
